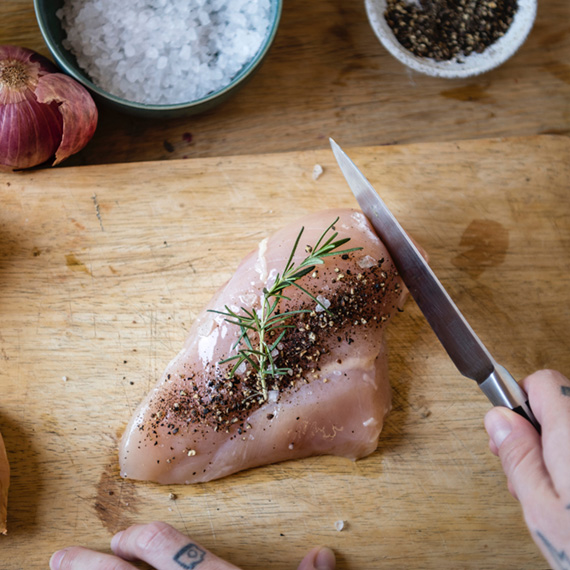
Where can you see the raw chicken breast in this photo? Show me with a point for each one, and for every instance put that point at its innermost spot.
(4, 484)
(200, 422)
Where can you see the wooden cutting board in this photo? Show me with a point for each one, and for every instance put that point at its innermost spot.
(103, 269)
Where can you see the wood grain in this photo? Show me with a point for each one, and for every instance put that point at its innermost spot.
(328, 75)
(102, 271)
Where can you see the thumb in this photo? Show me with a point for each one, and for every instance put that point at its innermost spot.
(519, 447)
(320, 558)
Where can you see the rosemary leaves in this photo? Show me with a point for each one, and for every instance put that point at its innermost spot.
(262, 330)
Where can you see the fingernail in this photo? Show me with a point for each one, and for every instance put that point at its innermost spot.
(55, 560)
(115, 540)
(325, 560)
(498, 428)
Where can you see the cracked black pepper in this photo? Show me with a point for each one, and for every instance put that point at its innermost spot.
(449, 29)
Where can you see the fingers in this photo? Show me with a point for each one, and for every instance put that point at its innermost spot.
(519, 446)
(526, 456)
(538, 466)
(159, 544)
(320, 558)
(549, 395)
(164, 548)
(79, 558)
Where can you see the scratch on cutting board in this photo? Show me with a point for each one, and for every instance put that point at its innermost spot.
(97, 211)
(182, 519)
(235, 190)
(211, 521)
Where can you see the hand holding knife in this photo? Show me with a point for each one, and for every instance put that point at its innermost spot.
(464, 347)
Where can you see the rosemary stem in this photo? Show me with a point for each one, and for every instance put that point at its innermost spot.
(262, 357)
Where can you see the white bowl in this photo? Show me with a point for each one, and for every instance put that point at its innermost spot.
(466, 66)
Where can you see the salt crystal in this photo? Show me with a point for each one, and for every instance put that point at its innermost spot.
(132, 75)
(185, 52)
(366, 262)
(323, 304)
(339, 525)
(152, 53)
(317, 171)
(203, 18)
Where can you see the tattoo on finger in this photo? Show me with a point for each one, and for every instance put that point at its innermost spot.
(189, 556)
(560, 557)
(565, 390)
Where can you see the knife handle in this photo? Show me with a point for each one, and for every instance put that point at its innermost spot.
(522, 411)
(503, 390)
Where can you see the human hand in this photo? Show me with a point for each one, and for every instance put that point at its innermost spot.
(538, 466)
(164, 548)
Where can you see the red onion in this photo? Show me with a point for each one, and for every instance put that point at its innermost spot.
(43, 114)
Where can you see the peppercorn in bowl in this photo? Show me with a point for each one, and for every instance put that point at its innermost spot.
(159, 58)
(451, 38)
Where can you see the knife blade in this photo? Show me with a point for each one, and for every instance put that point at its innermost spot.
(463, 346)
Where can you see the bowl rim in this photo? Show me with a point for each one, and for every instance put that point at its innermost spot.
(61, 55)
(460, 67)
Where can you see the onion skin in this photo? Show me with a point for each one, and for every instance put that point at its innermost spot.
(44, 114)
(4, 484)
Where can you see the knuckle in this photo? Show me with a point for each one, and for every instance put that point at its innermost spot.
(154, 537)
(514, 457)
(546, 377)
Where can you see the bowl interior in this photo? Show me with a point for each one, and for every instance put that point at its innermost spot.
(474, 64)
(54, 34)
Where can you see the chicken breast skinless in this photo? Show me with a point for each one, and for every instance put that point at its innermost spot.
(200, 422)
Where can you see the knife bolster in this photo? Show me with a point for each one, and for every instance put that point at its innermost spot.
(503, 390)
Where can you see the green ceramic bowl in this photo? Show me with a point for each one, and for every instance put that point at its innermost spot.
(53, 34)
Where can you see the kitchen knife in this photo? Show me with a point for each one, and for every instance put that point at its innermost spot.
(465, 349)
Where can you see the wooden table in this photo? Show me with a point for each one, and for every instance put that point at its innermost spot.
(327, 75)
(103, 269)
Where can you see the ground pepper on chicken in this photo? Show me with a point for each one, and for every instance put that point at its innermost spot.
(224, 402)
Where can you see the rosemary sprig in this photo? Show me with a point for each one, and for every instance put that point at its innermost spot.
(256, 327)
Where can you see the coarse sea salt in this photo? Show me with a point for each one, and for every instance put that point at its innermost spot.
(164, 52)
